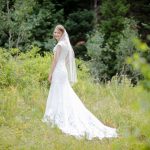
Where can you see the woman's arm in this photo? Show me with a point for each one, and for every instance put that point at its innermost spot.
(54, 62)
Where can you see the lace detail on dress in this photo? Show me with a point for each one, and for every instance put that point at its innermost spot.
(65, 110)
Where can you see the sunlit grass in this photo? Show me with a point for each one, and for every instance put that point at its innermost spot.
(23, 95)
(23, 109)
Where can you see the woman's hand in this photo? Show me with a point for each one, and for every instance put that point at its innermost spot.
(50, 78)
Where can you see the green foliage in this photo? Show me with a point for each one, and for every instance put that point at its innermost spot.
(111, 30)
(140, 63)
(23, 24)
(105, 62)
(21, 69)
(15, 29)
(111, 44)
(113, 15)
(126, 48)
(43, 20)
(79, 24)
(140, 10)
(26, 68)
(81, 52)
(97, 67)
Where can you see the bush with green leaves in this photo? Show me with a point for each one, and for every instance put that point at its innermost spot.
(25, 69)
(22, 69)
(140, 63)
(106, 62)
(97, 67)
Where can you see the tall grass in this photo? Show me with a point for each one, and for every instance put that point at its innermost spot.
(22, 105)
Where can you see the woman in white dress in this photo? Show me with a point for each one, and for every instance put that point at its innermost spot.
(64, 108)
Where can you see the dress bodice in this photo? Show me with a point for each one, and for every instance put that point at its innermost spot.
(63, 51)
(60, 74)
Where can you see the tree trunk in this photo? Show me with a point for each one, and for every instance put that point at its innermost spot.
(8, 20)
(95, 10)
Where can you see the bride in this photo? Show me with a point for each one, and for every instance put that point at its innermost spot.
(64, 108)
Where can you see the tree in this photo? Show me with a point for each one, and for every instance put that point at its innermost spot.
(79, 24)
(23, 24)
(140, 10)
(14, 15)
(111, 26)
(112, 20)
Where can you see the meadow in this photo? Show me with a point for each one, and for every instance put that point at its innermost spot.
(23, 93)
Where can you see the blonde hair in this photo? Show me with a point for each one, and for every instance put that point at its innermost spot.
(60, 27)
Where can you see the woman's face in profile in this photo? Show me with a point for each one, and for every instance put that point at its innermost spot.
(57, 34)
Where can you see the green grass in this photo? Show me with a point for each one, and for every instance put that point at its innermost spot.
(23, 94)
(115, 105)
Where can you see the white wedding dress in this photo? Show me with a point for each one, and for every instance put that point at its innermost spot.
(65, 110)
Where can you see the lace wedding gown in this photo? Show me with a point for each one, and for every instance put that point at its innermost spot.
(65, 110)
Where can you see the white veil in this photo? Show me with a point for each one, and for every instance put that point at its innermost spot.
(70, 58)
